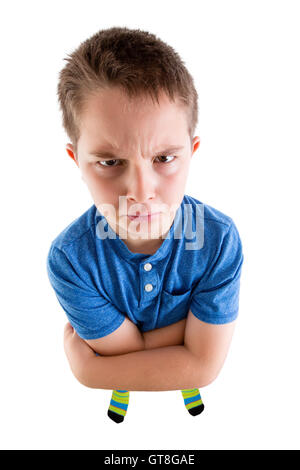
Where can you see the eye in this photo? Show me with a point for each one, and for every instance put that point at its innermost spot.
(109, 163)
(167, 156)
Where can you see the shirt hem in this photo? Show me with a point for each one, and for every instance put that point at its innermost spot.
(217, 320)
(100, 334)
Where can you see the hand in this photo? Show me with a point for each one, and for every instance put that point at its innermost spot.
(78, 352)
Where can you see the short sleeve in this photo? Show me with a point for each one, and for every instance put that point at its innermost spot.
(215, 299)
(91, 315)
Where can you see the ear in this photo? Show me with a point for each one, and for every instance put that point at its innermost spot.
(71, 153)
(196, 144)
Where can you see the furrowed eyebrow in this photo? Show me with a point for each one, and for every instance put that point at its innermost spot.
(105, 155)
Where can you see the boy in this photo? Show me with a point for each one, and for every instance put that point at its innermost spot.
(157, 308)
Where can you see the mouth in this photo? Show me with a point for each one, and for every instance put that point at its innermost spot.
(143, 217)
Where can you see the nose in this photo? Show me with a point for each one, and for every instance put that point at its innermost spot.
(140, 184)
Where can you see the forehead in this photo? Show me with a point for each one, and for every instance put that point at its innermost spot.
(112, 119)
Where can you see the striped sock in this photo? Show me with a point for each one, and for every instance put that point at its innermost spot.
(118, 405)
(193, 401)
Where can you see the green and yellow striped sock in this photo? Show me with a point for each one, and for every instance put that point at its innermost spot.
(193, 401)
(118, 405)
(120, 399)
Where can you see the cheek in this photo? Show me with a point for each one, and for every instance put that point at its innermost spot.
(173, 182)
(101, 188)
(172, 191)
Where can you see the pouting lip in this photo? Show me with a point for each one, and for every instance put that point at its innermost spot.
(143, 215)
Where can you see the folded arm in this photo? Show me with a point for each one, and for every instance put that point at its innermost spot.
(161, 369)
(128, 338)
(155, 360)
(187, 354)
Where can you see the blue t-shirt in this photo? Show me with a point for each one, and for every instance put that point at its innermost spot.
(98, 281)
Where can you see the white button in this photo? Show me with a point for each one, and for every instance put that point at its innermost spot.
(147, 267)
(148, 287)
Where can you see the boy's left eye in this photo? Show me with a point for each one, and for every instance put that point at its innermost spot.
(167, 156)
(99, 163)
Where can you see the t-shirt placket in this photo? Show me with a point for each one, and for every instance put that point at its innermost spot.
(149, 283)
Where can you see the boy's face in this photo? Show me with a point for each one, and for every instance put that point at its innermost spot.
(126, 159)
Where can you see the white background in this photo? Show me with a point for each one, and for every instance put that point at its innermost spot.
(244, 57)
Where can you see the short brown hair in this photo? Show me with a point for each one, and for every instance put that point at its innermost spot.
(136, 61)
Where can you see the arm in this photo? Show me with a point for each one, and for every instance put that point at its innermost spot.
(169, 366)
(171, 335)
(161, 369)
(128, 338)
(164, 368)
(195, 364)
(208, 342)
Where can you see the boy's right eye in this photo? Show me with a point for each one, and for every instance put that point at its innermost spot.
(100, 163)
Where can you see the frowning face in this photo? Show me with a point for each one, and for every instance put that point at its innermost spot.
(134, 156)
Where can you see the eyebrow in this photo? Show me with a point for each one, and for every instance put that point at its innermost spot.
(108, 155)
